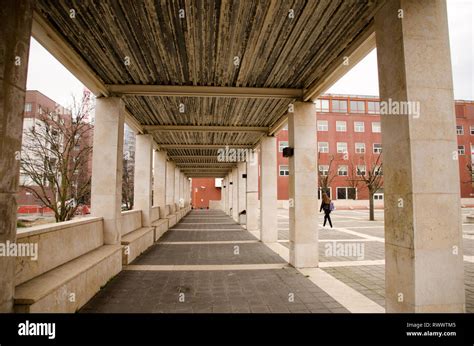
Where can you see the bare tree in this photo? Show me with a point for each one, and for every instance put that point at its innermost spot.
(127, 180)
(325, 180)
(55, 158)
(371, 177)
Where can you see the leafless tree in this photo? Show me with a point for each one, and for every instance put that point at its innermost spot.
(127, 181)
(371, 178)
(325, 180)
(55, 158)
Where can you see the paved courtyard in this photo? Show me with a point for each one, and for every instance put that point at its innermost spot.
(208, 263)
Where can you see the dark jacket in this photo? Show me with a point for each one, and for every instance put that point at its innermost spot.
(325, 206)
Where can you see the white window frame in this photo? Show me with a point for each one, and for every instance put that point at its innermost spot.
(339, 169)
(322, 169)
(357, 150)
(280, 170)
(347, 192)
(320, 194)
(320, 103)
(378, 196)
(326, 147)
(341, 126)
(471, 130)
(359, 126)
(376, 127)
(281, 145)
(378, 150)
(459, 130)
(364, 170)
(323, 125)
(461, 150)
(344, 151)
(28, 107)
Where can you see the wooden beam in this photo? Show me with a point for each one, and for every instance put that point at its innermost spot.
(55, 44)
(196, 128)
(133, 123)
(193, 157)
(204, 146)
(183, 164)
(357, 50)
(203, 91)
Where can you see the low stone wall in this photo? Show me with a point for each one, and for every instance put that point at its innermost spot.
(131, 220)
(155, 213)
(57, 244)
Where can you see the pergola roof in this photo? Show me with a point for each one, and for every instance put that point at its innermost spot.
(215, 65)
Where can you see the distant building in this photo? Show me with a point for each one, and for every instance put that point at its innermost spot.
(205, 190)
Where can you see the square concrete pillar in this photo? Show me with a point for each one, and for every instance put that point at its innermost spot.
(107, 166)
(231, 192)
(242, 171)
(15, 31)
(142, 185)
(252, 193)
(303, 184)
(224, 191)
(176, 184)
(423, 235)
(159, 180)
(235, 194)
(268, 190)
(170, 166)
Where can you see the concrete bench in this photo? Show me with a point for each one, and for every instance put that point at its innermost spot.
(72, 265)
(135, 238)
(158, 221)
(171, 215)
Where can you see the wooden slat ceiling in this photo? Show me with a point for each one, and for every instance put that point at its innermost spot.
(279, 44)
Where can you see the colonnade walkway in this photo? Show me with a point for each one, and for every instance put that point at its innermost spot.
(209, 263)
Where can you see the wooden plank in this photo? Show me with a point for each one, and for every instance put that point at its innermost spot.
(197, 128)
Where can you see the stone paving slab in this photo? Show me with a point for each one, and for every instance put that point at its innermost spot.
(208, 254)
(190, 235)
(257, 291)
(202, 226)
(326, 233)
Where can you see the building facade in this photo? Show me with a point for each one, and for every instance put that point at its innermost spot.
(349, 138)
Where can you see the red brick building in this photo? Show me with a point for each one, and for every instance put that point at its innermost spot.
(205, 190)
(349, 132)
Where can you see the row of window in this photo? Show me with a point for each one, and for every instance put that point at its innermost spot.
(342, 170)
(460, 130)
(347, 193)
(323, 147)
(341, 106)
(341, 126)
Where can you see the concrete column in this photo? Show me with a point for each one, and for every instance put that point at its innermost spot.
(107, 166)
(15, 31)
(159, 180)
(303, 184)
(142, 184)
(423, 235)
(252, 193)
(268, 190)
(176, 185)
(170, 182)
(235, 194)
(231, 191)
(242, 170)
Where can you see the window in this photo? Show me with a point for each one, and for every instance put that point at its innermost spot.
(461, 150)
(283, 169)
(376, 127)
(378, 196)
(360, 148)
(323, 125)
(285, 128)
(27, 107)
(357, 107)
(324, 170)
(342, 170)
(361, 170)
(359, 126)
(471, 129)
(339, 106)
(323, 147)
(341, 147)
(341, 126)
(459, 129)
(378, 170)
(327, 190)
(322, 106)
(346, 193)
(377, 148)
(281, 145)
(373, 107)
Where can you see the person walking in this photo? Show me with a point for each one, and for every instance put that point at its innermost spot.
(327, 206)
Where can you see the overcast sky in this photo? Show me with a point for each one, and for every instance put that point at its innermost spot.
(49, 77)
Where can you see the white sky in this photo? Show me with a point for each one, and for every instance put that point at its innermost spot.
(48, 76)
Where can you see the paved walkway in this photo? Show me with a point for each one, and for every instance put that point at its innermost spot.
(208, 263)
